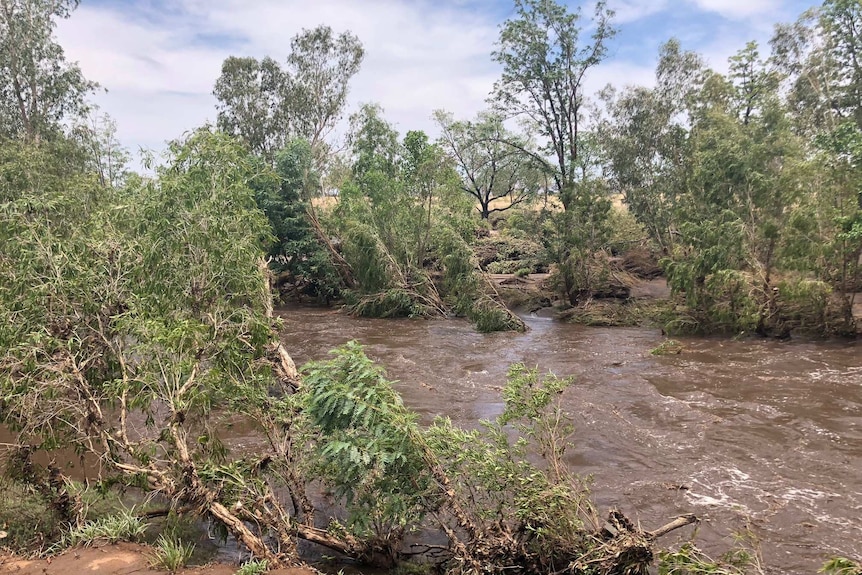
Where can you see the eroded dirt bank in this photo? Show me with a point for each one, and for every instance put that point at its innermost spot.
(120, 559)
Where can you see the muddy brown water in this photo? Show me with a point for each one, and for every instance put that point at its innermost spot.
(752, 433)
(757, 433)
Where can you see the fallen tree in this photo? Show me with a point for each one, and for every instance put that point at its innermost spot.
(135, 323)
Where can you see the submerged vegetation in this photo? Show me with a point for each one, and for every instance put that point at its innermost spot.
(136, 311)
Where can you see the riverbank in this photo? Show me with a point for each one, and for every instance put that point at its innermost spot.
(119, 559)
(648, 302)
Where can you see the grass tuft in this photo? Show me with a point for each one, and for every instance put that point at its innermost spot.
(124, 526)
(253, 567)
(171, 554)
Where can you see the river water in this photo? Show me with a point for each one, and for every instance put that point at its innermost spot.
(752, 434)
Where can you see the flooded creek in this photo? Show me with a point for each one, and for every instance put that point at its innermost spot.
(752, 433)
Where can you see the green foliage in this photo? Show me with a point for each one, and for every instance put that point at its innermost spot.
(124, 526)
(545, 59)
(40, 88)
(402, 221)
(496, 167)
(509, 251)
(543, 507)
(369, 451)
(394, 302)
(576, 238)
(253, 567)
(285, 198)
(140, 301)
(267, 105)
(27, 521)
(489, 315)
(841, 566)
(689, 560)
(171, 554)
(667, 347)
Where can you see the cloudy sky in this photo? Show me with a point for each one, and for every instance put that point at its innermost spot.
(158, 59)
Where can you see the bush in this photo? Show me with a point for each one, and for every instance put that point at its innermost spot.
(841, 566)
(27, 520)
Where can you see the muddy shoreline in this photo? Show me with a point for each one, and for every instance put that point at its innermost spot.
(119, 559)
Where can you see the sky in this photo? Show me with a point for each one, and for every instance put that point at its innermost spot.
(157, 60)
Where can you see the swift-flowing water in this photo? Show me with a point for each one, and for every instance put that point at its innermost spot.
(752, 434)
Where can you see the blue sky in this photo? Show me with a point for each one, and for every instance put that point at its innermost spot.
(159, 59)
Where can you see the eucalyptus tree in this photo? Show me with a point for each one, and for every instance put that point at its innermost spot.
(38, 87)
(267, 104)
(253, 104)
(403, 224)
(103, 153)
(490, 161)
(545, 60)
(820, 53)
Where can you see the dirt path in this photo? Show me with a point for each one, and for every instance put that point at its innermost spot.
(120, 559)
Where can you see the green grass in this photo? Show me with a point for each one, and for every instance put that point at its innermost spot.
(253, 567)
(124, 526)
(171, 554)
(27, 520)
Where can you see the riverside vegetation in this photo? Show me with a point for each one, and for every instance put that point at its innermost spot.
(136, 310)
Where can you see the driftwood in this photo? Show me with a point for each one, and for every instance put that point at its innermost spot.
(680, 521)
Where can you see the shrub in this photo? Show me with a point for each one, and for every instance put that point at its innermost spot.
(27, 520)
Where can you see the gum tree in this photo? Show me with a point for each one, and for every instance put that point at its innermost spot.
(267, 105)
(546, 54)
(38, 86)
(489, 160)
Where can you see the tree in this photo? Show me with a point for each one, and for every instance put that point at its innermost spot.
(373, 142)
(253, 103)
(319, 69)
(545, 61)
(753, 81)
(297, 255)
(267, 105)
(490, 162)
(103, 153)
(38, 87)
(645, 137)
(401, 220)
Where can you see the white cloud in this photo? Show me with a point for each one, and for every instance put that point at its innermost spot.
(633, 10)
(160, 71)
(159, 59)
(739, 9)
